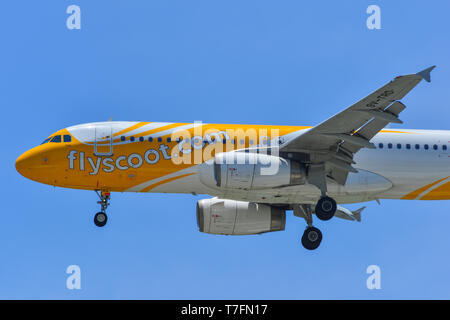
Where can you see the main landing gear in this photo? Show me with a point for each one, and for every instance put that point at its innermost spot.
(324, 210)
(311, 238)
(326, 206)
(101, 218)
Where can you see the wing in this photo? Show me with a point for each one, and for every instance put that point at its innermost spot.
(333, 142)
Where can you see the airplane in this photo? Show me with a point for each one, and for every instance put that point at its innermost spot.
(256, 173)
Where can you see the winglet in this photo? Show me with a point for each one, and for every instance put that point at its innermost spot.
(425, 74)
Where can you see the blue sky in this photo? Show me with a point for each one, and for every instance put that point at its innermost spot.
(257, 62)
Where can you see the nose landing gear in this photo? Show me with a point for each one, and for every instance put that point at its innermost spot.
(101, 218)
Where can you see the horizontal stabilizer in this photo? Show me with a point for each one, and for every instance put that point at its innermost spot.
(357, 214)
(346, 214)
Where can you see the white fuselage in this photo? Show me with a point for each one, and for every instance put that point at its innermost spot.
(392, 171)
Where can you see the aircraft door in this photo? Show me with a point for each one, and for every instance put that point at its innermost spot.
(103, 141)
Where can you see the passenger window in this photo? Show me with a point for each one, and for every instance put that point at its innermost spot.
(390, 145)
(131, 139)
(444, 147)
(150, 139)
(380, 145)
(169, 139)
(408, 146)
(122, 138)
(399, 146)
(417, 146)
(159, 139)
(426, 147)
(141, 139)
(56, 139)
(435, 147)
(67, 138)
(46, 140)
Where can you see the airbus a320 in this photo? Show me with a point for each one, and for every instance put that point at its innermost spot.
(256, 173)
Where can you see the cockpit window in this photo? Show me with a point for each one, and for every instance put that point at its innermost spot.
(56, 139)
(46, 140)
(67, 138)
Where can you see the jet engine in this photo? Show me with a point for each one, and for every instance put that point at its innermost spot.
(247, 170)
(230, 217)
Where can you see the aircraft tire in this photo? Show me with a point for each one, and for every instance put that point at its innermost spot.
(100, 219)
(325, 208)
(311, 239)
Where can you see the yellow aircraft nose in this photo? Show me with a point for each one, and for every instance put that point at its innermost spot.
(24, 162)
(28, 161)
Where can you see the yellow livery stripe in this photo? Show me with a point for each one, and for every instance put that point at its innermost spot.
(413, 195)
(133, 127)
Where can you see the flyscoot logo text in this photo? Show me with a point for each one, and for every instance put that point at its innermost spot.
(187, 150)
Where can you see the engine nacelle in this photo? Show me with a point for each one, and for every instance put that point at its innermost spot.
(230, 217)
(248, 170)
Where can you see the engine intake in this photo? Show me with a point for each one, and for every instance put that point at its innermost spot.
(230, 217)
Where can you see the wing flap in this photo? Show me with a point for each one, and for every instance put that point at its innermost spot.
(374, 126)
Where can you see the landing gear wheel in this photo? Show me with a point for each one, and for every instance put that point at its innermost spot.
(311, 238)
(325, 208)
(100, 219)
